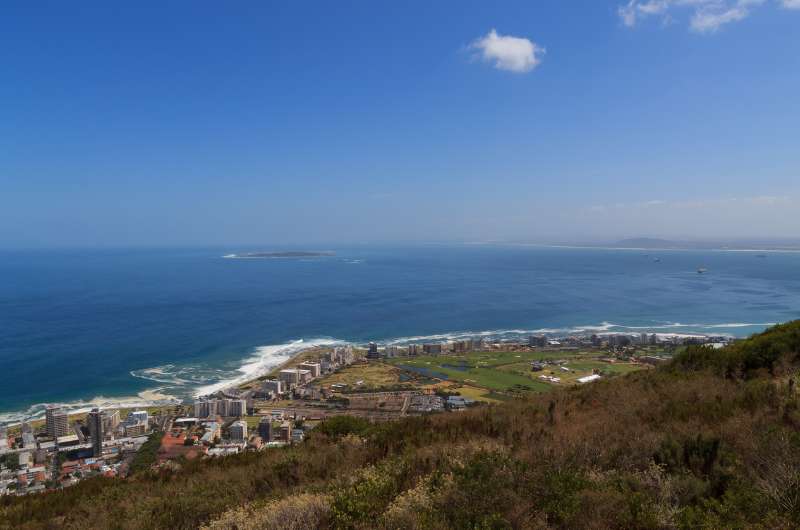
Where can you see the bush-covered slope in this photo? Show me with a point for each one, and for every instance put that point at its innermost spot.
(711, 441)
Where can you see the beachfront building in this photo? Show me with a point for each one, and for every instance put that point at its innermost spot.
(210, 408)
(140, 416)
(56, 421)
(238, 431)
(341, 356)
(314, 368)
(294, 376)
(134, 429)
(537, 341)
(432, 349)
(461, 346)
(237, 407)
(202, 409)
(272, 385)
(111, 421)
(372, 351)
(95, 421)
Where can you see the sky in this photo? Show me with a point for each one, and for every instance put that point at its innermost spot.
(230, 123)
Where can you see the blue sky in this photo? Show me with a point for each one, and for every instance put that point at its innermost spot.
(193, 123)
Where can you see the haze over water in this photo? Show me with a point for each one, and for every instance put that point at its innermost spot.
(131, 326)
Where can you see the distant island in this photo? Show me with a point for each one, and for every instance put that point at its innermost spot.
(288, 254)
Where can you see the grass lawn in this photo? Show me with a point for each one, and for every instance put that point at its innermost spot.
(372, 374)
(477, 394)
(472, 370)
(504, 371)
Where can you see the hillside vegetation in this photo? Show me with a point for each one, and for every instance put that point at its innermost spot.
(710, 441)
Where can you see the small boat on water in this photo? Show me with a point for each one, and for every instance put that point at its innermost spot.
(701, 270)
(657, 260)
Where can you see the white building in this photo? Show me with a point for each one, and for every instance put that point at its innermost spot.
(294, 376)
(272, 385)
(140, 416)
(314, 368)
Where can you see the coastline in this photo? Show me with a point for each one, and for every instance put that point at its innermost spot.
(266, 361)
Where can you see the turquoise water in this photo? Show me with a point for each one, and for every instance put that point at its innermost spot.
(132, 326)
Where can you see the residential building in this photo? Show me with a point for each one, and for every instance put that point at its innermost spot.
(56, 422)
(286, 431)
(459, 346)
(432, 349)
(95, 421)
(272, 385)
(372, 351)
(110, 421)
(538, 341)
(298, 435)
(140, 416)
(265, 429)
(201, 409)
(238, 431)
(294, 376)
(237, 407)
(28, 440)
(314, 368)
(134, 429)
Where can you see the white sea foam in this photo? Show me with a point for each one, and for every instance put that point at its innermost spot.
(265, 359)
(147, 398)
(608, 328)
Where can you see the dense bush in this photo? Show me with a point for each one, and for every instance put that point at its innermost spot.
(772, 351)
(147, 454)
(339, 426)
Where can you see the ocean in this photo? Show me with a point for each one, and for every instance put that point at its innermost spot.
(131, 327)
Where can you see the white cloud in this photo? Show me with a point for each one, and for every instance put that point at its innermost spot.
(704, 16)
(710, 20)
(515, 54)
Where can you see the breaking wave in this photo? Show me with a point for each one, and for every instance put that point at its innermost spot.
(265, 359)
(147, 398)
(667, 329)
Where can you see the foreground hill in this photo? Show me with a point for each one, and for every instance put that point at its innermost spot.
(710, 441)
